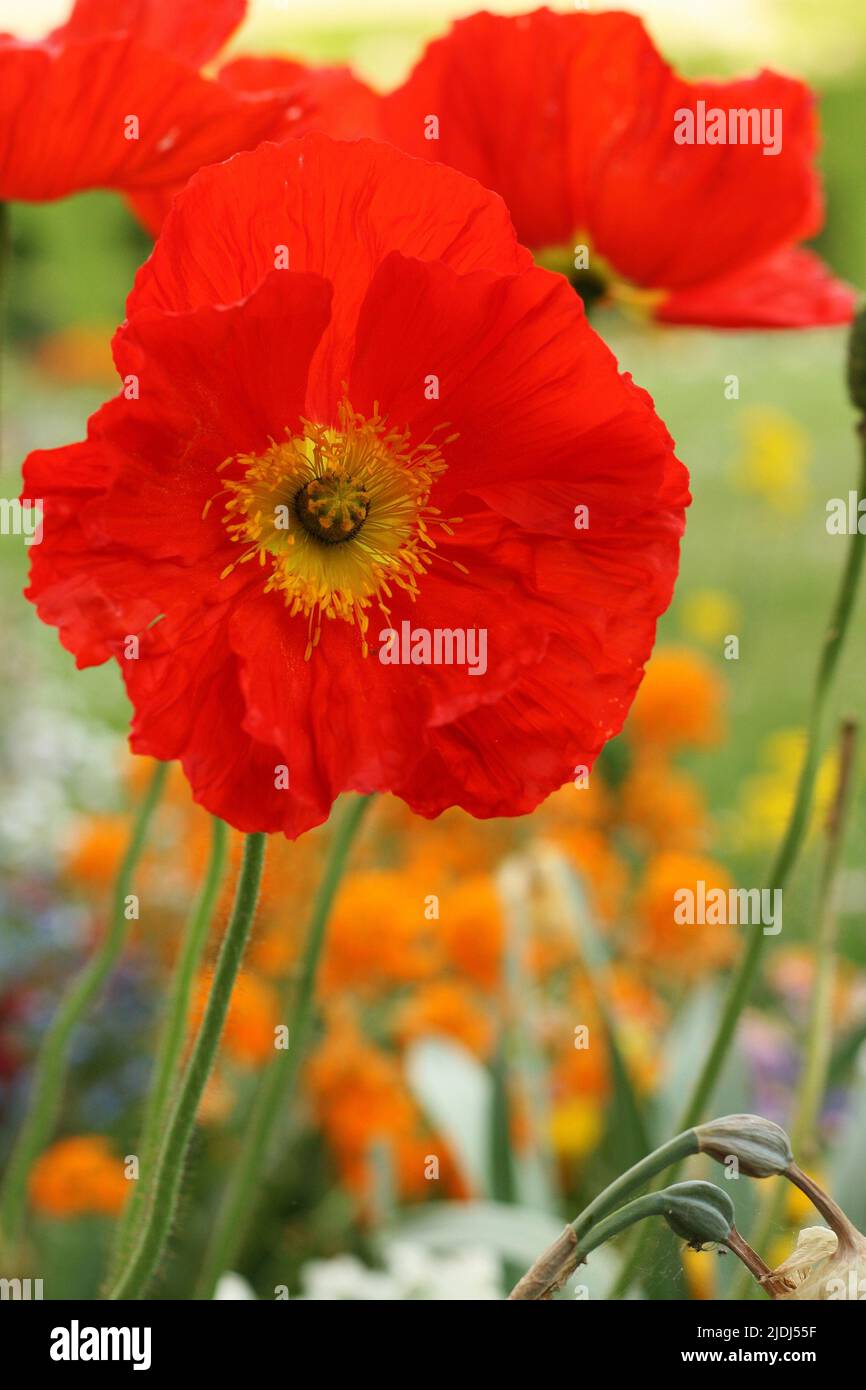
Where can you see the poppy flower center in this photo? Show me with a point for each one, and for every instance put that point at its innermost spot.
(595, 280)
(590, 285)
(332, 508)
(337, 517)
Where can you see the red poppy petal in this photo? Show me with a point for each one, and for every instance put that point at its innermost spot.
(790, 289)
(65, 117)
(188, 705)
(194, 30)
(365, 718)
(68, 589)
(529, 389)
(668, 214)
(329, 99)
(334, 715)
(127, 532)
(496, 87)
(212, 383)
(602, 602)
(506, 758)
(297, 199)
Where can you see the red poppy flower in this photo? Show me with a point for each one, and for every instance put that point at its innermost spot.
(328, 99)
(575, 120)
(113, 99)
(402, 426)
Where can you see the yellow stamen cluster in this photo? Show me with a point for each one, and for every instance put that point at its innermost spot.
(338, 516)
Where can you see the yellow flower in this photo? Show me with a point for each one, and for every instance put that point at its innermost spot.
(576, 1125)
(709, 615)
(700, 1273)
(773, 460)
(766, 799)
(797, 1205)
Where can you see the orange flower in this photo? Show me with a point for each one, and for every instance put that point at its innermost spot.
(679, 704)
(664, 807)
(412, 1153)
(452, 845)
(251, 1022)
(273, 946)
(447, 1007)
(78, 1175)
(666, 937)
(360, 1099)
(631, 999)
(96, 848)
(79, 355)
(378, 935)
(572, 806)
(471, 930)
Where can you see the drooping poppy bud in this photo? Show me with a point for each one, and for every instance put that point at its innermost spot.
(857, 362)
(698, 1212)
(761, 1148)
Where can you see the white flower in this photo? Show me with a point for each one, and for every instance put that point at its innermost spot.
(822, 1267)
(412, 1272)
(345, 1277)
(232, 1288)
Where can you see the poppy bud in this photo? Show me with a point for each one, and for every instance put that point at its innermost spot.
(762, 1149)
(857, 362)
(698, 1212)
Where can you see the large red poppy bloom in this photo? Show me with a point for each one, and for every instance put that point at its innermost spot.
(351, 402)
(573, 118)
(114, 99)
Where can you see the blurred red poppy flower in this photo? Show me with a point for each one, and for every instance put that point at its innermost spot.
(351, 406)
(577, 121)
(327, 99)
(113, 99)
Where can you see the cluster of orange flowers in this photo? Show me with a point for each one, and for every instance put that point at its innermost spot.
(421, 940)
(78, 1175)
